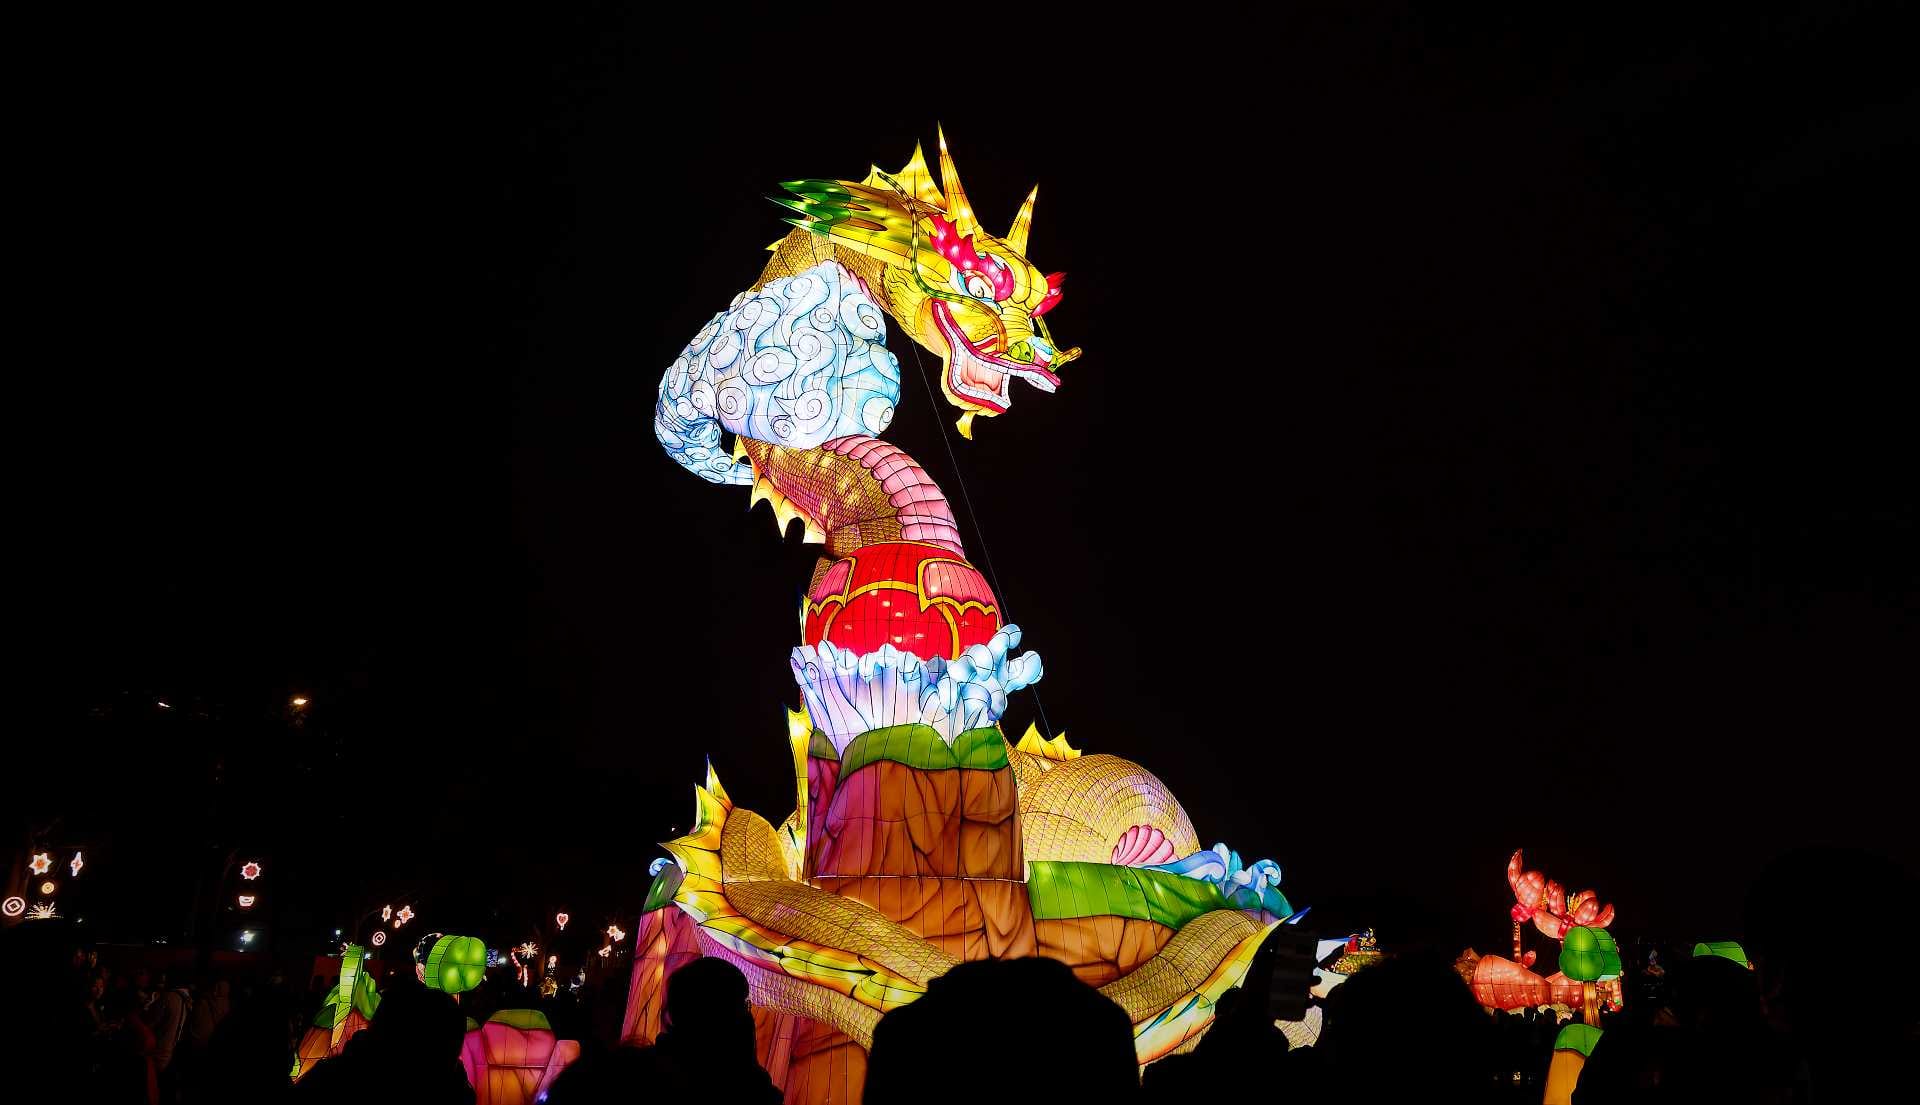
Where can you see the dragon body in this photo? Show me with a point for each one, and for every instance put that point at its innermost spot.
(921, 837)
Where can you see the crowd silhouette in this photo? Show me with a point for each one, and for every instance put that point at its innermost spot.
(1808, 1024)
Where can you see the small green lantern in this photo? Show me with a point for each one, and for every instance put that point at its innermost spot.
(1589, 955)
(455, 964)
(1724, 949)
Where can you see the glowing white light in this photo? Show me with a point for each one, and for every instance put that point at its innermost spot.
(41, 863)
(298, 702)
(42, 911)
(76, 863)
(615, 933)
(379, 938)
(246, 937)
(14, 906)
(246, 901)
(251, 870)
(162, 705)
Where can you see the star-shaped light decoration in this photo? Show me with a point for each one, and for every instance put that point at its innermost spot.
(402, 917)
(528, 950)
(386, 913)
(615, 933)
(41, 864)
(250, 870)
(76, 863)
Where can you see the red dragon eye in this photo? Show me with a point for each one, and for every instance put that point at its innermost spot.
(1054, 280)
(957, 248)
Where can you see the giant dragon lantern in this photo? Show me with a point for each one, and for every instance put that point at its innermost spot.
(921, 837)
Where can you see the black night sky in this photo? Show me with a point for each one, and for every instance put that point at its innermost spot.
(1490, 434)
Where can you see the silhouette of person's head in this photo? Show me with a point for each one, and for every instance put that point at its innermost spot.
(628, 1075)
(705, 996)
(1004, 1031)
(1850, 1023)
(1408, 1029)
(1715, 995)
(709, 1033)
(415, 1022)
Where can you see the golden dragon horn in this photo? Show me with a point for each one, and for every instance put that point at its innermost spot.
(959, 211)
(1023, 222)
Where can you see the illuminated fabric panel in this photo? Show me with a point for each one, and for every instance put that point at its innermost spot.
(1577, 1037)
(784, 994)
(891, 819)
(811, 914)
(455, 964)
(514, 1057)
(966, 919)
(1100, 949)
(1725, 949)
(921, 746)
(853, 492)
(667, 940)
(1569, 992)
(1183, 964)
(917, 597)
(1071, 889)
(772, 1041)
(1079, 809)
(1500, 983)
(826, 1066)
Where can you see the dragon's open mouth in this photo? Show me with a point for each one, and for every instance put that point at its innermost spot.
(977, 374)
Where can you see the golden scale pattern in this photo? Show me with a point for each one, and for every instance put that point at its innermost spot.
(785, 994)
(1183, 965)
(754, 870)
(1076, 809)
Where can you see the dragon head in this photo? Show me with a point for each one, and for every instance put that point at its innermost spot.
(971, 298)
